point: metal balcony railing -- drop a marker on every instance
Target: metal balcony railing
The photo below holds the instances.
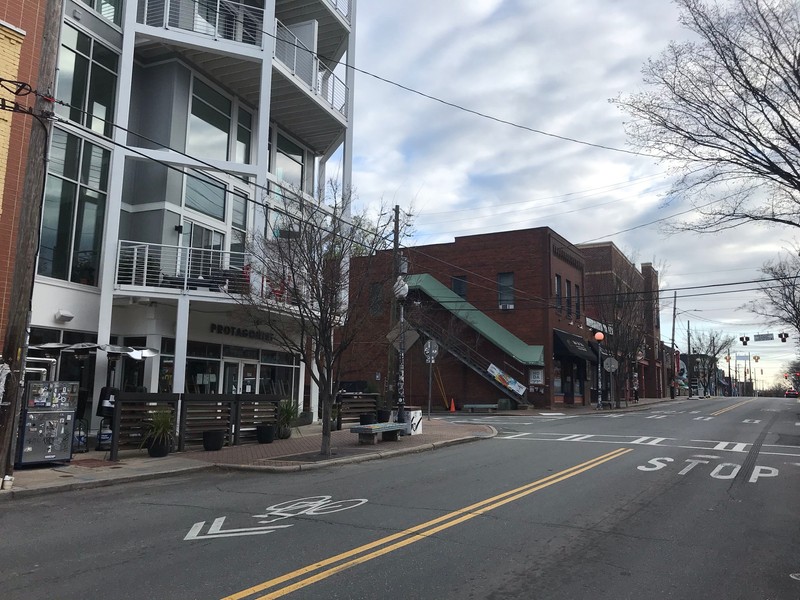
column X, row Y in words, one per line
column 181, row 269
column 343, row 7
column 219, row 19
column 305, row 65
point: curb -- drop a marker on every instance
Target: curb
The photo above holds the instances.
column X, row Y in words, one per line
column 13, row 494
column 334, row 462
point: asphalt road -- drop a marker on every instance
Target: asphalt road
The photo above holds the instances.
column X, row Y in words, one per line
column 692, row 499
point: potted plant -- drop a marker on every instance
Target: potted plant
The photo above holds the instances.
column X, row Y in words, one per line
column 287, row 413
column 160, row 433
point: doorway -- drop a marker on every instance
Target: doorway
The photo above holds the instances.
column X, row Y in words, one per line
column 239, row 377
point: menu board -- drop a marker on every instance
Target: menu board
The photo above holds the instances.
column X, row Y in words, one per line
column 52, row 395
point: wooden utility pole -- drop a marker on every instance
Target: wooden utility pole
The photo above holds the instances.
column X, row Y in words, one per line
column 391, row 375
column 674, row 371
column 28, row 225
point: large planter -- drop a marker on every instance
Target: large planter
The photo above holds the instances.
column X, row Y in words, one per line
column 158, row 448
column 284, row 432
column 265, row 434
column 213, row 439
column 384, row 415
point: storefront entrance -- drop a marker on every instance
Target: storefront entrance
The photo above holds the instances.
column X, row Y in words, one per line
column 239, row 377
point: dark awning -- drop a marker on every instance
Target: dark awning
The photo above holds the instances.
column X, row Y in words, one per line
column 566, row 344
column 593, row 350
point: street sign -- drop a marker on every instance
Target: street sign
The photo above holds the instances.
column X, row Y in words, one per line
column 763, row 337
column 431, row 349
column 610, row 364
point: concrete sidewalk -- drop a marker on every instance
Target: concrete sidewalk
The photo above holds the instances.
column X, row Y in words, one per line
column 299, row 452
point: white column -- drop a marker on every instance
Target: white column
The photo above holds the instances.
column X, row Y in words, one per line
column 313, row 392
column 181, row 339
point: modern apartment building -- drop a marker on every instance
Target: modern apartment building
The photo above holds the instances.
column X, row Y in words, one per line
column 184, row 126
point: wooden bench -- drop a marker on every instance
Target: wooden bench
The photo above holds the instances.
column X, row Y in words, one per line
column 368, row 434
column 474, row 407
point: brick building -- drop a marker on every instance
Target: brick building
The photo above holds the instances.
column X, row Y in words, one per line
column 506, row 310
column 21, row 30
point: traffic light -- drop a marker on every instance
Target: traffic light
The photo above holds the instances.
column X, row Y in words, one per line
column 786, row 376
column 744, row 339
column 783, row 337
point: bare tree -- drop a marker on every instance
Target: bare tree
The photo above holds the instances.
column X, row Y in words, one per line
column 780, row 291
column 707, row 347
column 619, row 300
column 300, row 290
column 725, row 112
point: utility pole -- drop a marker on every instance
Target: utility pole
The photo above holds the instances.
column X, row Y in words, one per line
column 672, row 343
column 689, row 356
column 391, row 375
column 15, row 346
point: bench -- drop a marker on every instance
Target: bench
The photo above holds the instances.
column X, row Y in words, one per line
column 368, row 434
column 474, row 407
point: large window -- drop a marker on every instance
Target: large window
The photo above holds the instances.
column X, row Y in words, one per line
column 87, row 81
column 569, row 297
column 205, row 195
column 289, row 163
column 205, row 249
column 74, row 209
column 109, row 9
column 209, row 123
column 238, row 229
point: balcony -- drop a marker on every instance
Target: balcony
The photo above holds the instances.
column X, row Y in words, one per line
column 149, row 268
column 217, row 19
column 305, row 65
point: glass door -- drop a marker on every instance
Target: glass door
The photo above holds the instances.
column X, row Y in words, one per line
column 239, row 377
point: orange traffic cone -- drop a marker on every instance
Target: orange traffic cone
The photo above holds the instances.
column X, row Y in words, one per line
column 452, row 405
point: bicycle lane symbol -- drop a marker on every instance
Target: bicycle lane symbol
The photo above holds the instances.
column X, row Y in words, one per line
column 310, row 506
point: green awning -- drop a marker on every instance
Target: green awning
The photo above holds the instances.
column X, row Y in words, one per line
column 488, row 328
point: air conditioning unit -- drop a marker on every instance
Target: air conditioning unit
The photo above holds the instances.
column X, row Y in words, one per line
column 506, row 307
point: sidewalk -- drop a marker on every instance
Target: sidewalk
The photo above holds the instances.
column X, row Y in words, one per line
column 299, row 453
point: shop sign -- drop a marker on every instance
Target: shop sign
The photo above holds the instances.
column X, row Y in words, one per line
column 242, row 332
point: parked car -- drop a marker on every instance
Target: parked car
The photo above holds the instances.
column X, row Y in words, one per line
column 791, row 393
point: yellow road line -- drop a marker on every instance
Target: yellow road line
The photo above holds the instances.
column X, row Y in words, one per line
column 724, row 410
column 414, row 534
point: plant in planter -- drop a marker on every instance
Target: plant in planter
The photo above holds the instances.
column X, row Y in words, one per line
column 160, row 433
column 287, row 414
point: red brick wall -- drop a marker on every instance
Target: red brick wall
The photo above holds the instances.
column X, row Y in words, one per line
column 28, row 16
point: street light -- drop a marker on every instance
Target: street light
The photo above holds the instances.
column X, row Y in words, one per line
column 400, row 289
column 756, row 358
column 599, row 337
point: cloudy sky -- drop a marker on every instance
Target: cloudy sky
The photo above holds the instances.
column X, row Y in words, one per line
column 552, row 66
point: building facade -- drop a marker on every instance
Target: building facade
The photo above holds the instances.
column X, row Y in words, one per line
column 183, row 128
column 506, row 311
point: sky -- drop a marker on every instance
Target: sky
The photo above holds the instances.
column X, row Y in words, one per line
column 550, row 66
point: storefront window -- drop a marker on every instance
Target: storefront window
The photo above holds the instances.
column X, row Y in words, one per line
column 557, row 388
column 201, row 376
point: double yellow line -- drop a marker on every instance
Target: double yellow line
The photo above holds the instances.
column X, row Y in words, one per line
column 313, row 573
column 731, row 407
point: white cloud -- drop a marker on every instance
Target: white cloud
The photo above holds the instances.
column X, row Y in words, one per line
column 547, row 65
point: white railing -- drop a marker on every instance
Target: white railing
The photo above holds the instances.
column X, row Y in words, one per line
column 304, row 64
column 219, row 19
column 179, row 269
column 343, row 7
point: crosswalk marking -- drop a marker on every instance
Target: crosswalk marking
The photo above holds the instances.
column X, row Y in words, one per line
column 648, row 441
column 731, row 446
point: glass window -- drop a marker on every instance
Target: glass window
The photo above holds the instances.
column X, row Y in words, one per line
column 577, row 301
column 289, row 163
column 109, row 9
column 569, row 297
column 558, row 291
column 459, row 285
column 376, row 299
column 87, row 81
column 205, row 195
column 209, row 123
column 73, row 215
column 244, row 136
column 505, row 288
